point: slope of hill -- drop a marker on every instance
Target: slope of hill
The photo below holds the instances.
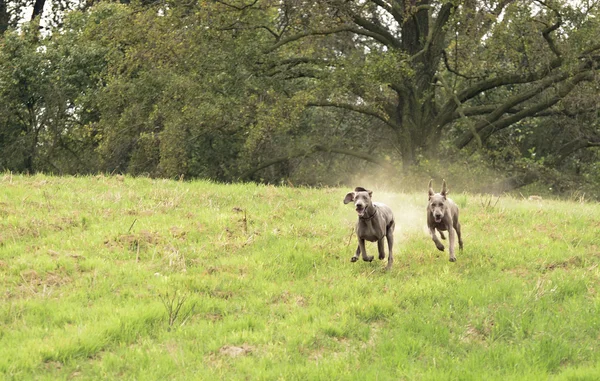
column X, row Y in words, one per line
column 134, row 278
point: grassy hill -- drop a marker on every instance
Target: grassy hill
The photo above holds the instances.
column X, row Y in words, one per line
column 123, row 278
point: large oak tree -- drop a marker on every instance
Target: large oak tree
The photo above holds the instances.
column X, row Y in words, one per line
column 428, row 70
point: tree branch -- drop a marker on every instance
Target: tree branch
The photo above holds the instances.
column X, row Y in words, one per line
column 589, row 50
column 483, row 110
column 355, row 108
column 377, row 30
column 489, row 128
column 391, row 9
column 279, row 67
column 448, row 112
column 449, row 108
column 486, row 109
column 436, row 32
column 235, row 6
column 239, row 25
column 511, row 102
column 574, row 146
column 551, row 28
column 461, row 113
column 346, row 28
column 455, row 72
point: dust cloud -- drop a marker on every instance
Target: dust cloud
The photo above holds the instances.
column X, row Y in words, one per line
column 409, row 208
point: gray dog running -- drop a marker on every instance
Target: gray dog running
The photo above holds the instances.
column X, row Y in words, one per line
column 375, row 222
column 442, row 214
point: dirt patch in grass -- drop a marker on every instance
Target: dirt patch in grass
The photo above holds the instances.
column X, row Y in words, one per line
column 218, row 360
column 570, row 263
column 342, row 347
column 475, row 335
column 66, row 222
column 134, row 241
column 222, row 294
column 236, row 351
column 178, row 233
column 520, row 272
column 55, row 254
column 33, row 283
column 213, row 317
column 290, row 299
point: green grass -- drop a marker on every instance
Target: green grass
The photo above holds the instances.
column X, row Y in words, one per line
column 92, row 269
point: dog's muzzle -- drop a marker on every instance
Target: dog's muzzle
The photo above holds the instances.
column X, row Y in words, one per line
column 360, row 210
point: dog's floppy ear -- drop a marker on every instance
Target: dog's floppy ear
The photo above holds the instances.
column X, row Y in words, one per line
column 361, row 189
column 444, row 191
column 431, row 192
column 349, row 197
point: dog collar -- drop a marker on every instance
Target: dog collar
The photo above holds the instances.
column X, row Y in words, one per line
column 371, row 216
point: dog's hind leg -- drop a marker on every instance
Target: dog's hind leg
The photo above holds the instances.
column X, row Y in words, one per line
column 457, row 228
column 451, row 243
column 442, row 234
column 390, row 239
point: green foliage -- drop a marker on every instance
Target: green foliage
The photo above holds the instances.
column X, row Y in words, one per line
column 303, row 92
column 45, row 108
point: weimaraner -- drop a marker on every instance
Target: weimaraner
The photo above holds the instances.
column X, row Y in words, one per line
column 375, row 222
column 442, row 214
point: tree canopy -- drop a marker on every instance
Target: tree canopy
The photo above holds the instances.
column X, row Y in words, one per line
column 303, row 90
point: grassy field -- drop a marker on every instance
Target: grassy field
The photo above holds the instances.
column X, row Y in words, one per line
column 123, row 278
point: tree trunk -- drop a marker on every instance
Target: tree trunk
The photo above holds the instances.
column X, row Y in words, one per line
column 31, row 139
column 38, row 8
column 423, row 40
column 4, row 16
column 415, row 112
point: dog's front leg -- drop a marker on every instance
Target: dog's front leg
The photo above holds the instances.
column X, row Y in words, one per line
column 451, row 242
column 435, row 239
column 380, row 248
column 356, row 254
column 363, row 250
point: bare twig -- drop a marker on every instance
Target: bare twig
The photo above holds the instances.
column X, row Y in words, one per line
column 133, row 223
column 350, row 238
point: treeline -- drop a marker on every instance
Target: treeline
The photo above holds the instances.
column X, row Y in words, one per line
column 306, row 91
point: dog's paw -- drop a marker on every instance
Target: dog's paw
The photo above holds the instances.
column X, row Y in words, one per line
column 381, row 256
column 440, row 247
column 368, row 259
column 442, row 235
column 353, row 259
column 452, row 259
